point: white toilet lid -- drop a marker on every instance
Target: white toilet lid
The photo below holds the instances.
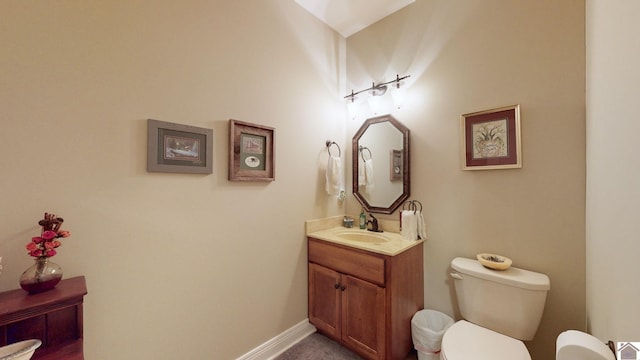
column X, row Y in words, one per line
column 464, row 341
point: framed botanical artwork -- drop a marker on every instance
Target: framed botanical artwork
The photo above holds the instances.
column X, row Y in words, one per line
column 177, row 148
column 251, row 152
column 491, row 139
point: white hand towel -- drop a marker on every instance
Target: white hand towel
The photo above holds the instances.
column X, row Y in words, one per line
column 334, row 183
column 362, row 176
column 368, row 174
column 409, row 225
column 422, row 229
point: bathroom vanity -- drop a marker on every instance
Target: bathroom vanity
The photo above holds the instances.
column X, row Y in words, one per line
column 53, row 316
column 364, row 288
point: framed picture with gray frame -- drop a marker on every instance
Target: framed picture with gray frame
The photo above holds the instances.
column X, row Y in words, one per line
column 177, row 148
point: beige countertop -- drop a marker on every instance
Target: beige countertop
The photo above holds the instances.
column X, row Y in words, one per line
column 390, row 243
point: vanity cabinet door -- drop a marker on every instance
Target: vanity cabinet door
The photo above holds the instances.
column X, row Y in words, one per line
column 363, row 317
column 324, row 300
column 348, row 309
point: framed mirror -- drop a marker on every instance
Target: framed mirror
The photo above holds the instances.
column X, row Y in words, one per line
column 380, row 157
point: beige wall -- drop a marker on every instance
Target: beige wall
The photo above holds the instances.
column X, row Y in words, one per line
column 178, row 266
column 466, row 56
column 613, row 199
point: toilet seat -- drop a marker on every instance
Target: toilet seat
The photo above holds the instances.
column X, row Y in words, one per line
column 464, row 341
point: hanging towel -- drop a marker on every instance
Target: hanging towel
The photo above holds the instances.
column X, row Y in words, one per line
column 368, row 175
column 334, row 176
column 362, row 177
column 422, row 229
column 409, row 229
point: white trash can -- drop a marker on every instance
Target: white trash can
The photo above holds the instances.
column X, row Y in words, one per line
column 427, row 330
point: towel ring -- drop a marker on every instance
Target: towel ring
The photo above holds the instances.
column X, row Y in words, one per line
column 413, row 205
column 362, row 148
column 409, row 205
column 419, row 203
column 329, row 143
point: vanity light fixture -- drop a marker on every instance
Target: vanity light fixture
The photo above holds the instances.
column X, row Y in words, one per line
column 377, row 89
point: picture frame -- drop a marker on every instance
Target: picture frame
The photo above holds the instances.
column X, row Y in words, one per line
column 251, row 152
column 178, row 148
column 491, row 139
column 396, row 171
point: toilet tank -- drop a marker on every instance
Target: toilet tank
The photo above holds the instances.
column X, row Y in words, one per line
column 510, row 301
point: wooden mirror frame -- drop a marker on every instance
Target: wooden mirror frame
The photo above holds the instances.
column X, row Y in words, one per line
column 406, row 171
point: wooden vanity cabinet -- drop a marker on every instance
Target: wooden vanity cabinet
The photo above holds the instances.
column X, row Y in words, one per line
column 365, row 300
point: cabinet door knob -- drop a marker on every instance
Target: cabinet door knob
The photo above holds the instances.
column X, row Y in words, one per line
column 343, row 288
column 337, row 286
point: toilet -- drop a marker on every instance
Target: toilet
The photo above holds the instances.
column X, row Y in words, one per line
column 500, row 310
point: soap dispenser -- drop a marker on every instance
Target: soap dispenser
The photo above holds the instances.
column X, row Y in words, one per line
column 363, row 220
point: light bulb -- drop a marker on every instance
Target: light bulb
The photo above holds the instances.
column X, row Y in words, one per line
column 399, row 95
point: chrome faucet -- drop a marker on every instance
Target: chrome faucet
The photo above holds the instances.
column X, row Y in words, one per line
column 374, row 224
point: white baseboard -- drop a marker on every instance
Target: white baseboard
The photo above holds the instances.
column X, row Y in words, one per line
column 280, row 343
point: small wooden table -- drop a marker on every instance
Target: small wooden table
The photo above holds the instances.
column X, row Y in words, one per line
column 53, row 316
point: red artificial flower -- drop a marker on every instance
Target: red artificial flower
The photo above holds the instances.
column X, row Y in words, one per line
column 37, row 239
column 50, row 253
column 64, row 233
column 31, row 246
column 36, row 253
column 48, row 234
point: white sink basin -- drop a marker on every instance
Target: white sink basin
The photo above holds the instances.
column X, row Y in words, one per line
column 22, row 350
column 365, row 237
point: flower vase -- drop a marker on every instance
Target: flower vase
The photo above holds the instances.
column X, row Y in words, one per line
column 43, row 275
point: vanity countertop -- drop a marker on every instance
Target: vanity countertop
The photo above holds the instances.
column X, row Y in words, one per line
column 393, row 243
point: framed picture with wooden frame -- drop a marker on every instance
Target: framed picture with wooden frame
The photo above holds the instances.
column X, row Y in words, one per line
column 251, row 152
column 177, row 148
column 491, row 139
column 395, row 165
